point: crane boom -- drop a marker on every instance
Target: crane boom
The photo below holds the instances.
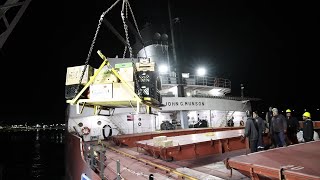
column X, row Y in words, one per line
column 9, row 26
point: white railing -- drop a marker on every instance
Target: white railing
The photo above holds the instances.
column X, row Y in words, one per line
column 167, row 79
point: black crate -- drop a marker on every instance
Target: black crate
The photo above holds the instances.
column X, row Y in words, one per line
column 72, row 90
column 147, row 77
column 149, row 91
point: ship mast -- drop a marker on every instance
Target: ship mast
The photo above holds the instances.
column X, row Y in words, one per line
column 176, row 62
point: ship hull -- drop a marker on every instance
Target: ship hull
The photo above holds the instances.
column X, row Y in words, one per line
column 75, row 162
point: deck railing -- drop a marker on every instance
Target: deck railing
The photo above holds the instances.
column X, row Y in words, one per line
column 218, row 97
column 97, row 161
column 196, row 80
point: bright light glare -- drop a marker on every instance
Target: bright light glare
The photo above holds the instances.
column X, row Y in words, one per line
column 201, row 72
column 185, row 75
column 163, row 68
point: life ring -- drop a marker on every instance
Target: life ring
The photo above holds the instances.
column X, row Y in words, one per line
column 85, row 130
column 107, row 131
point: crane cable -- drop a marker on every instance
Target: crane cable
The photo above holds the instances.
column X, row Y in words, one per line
column 126, row 5
column 124, row 15
column 93, row 43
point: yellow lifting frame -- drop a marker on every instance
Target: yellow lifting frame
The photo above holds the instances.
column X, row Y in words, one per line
column 92, row 78
column 119, row 77
column 75, row 99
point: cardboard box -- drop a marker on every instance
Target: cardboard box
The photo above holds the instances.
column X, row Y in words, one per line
column 73, row 75
column 100, row 91
column 120, row 91
column 123, row 65
column 151, row 66
column 144, row 60
column 166, row 143
column 126, row 73
column 105, row 76
column 157, row 140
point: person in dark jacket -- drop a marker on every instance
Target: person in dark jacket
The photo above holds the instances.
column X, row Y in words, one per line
column 269, row 116
column 251, row 132
column 261, row 129
column 307, row 127
column 279, row 128
column 230, row 122
column 293, row 127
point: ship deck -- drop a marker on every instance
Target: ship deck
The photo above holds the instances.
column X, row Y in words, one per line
column 300, row 161
column 207, row 167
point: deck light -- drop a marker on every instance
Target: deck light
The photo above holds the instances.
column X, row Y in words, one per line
column 201, row 71
column 163, row 68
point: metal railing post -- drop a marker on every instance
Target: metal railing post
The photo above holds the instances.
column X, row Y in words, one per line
column 102, row 166
column 85, row 152
column 91, row 157
column 118, row 170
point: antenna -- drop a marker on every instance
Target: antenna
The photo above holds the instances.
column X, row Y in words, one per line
column 242, row 88
column 176, row 63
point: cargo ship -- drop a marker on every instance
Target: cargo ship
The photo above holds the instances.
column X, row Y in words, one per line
column 140, row 117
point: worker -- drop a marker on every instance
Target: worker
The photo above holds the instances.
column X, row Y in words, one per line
column 230, row 122
column 269, row 127
column 279, row 128
column 307, row 127
column 251, row 132
column 293, row 127
column 261, row 129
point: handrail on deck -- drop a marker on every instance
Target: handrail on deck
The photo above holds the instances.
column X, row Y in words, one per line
column 196, row 80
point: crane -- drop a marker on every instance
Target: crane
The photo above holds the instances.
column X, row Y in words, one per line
column 9, row 25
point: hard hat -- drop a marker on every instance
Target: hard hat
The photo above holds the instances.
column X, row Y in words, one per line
column 307, row 114
column 288, row 111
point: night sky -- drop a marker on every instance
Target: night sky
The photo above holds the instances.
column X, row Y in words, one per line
column 271, row 48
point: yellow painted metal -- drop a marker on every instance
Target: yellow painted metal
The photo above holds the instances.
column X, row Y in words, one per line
column 75, row 99
column 121, row 79
column 82, row 107
column 108, row 103
column 96, row 109
column 150, row 102
column 162, row 167
column 148, row 109
column 113, row 103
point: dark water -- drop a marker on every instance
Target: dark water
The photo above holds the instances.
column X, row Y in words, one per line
column 32, row 155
